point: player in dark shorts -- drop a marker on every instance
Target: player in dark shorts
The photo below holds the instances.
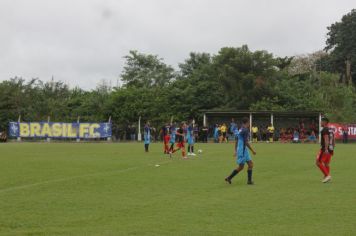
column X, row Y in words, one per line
column 165, row 138
column 180, row 136
column 327, row 149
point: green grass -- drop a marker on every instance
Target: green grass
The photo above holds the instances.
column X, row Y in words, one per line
column 115, row 189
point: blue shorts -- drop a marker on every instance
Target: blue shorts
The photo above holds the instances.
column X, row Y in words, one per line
column 190, row 141
column 242, row 159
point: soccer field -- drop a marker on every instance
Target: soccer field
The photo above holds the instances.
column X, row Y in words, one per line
column 116, row 189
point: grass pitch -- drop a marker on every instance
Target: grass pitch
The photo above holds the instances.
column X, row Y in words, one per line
column 116, row 189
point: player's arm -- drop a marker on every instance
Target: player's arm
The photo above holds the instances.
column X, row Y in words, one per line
column 179, row 134
column 250, row 147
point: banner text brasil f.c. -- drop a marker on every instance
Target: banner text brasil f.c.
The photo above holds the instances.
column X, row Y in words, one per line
column 59, row 130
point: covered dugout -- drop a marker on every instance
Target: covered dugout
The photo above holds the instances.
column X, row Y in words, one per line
column 279, row 119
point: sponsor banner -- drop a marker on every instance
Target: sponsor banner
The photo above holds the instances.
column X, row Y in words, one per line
column 339, row 130
column 59, row 130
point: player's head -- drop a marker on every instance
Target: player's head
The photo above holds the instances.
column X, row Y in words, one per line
column 245, row 122
column 324, row 121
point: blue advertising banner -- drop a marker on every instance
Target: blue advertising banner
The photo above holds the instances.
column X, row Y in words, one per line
column 59, row 130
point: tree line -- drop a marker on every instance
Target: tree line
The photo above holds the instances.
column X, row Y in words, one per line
column 235, row 78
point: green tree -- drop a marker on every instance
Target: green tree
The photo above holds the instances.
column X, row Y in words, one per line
column 243, row 75
column 143, row 70
column 341, row 42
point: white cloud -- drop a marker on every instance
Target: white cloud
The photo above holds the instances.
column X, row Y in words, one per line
column 82, row 42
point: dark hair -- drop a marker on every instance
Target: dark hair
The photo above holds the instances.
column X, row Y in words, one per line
column 244, row 120
column 325, row 119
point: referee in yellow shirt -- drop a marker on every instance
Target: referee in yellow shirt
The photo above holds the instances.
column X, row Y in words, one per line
column 270, row 130
column 254, row 133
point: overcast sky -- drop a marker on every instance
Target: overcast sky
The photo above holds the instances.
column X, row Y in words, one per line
column 82, row 42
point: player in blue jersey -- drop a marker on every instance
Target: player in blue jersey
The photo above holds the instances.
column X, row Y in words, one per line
column 172, row 140
column 190, row 139
column 147, row 135
column 242, row 152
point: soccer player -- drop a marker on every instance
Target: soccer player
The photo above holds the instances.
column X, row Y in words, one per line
column 327, row 149
column 242, row 154
column 180, row 140
column 147, row 135
column 172, row 139
column 165, row 137
column 190, row 139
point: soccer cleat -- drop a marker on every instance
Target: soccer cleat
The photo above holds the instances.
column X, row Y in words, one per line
column 193, row 154
column 170, row 154
column 228, row 180
column 185, row 158
column 250, row 183
column 189, row 154
column 326, row 179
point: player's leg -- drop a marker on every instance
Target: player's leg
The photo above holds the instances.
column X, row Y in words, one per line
column 326, row 161
column 320, row 163
column 239, row 168
column 191, row 145
column 192, row 149
column 164, row 145
column 249, row 172
column 181, row 146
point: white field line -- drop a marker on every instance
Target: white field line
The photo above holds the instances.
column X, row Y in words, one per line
column 76, row 177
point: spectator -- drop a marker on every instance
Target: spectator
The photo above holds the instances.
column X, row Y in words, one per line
column 205, row 131
column 296, row 136
column 196, row 132
column 133, row 133
column 345, row 135
column 216, row 133
column 3, row 137
column 264, row 133
column 312, row 137
column 232, row 128
column 128, row 132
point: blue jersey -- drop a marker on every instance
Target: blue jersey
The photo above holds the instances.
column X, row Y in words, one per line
column 189, row 132
column 190, row 135
column 147, row 134
column 243, row 136
column 216, row 132
column 235, row 132
column 173, row 134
